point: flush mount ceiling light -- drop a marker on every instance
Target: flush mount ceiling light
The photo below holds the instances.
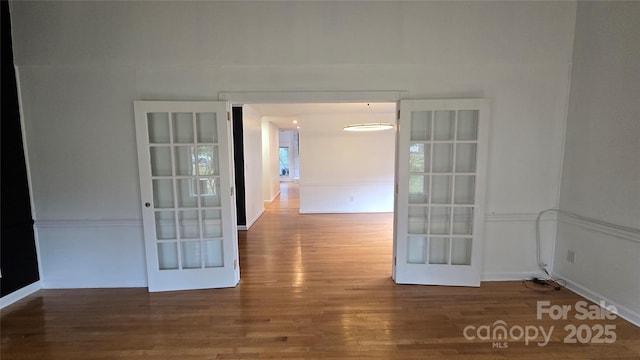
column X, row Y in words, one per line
column 369, row 127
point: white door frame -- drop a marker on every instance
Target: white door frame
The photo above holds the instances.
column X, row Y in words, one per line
column 304, row 97
column 292, row 97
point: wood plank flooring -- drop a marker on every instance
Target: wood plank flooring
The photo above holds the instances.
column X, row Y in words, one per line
column 313, row 287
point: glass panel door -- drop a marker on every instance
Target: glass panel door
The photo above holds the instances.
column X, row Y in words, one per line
column 189, row 226
column 442, row 156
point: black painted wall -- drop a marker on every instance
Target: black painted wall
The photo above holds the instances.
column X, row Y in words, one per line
column 18, row 259
column 238, row 157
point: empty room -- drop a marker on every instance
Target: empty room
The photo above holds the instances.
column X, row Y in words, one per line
column 320, row 179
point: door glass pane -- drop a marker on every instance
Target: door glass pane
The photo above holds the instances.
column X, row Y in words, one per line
column 210, row 192
column 211, row 223
column 461, row 251
column 167, row 256
column 158, row 126
column 462, row 220
column 418, row 219
column 185, row 160
column 213, row 255
column 207, row 127
column 187, row 193
column 165, row 225
column 467, row 125
column 421, row 125
column 465, row 190
column 416, row 246
column 419, row 158
column 208, row 160
column 160, row 160
column 183, row 128
column 191, row 255
column 443, row 125
column 440, row 220
column 442, row 158
column 188, row 224
column 418, row 189
column 162, row 193
column 441, row 189
column 438, row 250
column 466, row 158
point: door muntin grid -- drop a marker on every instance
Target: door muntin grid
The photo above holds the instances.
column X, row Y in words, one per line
column 185, row 176
column 442, row 174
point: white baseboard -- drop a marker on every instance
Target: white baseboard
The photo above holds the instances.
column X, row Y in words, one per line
column 255, row 218
column 273, row 198
column 20, row 294
column 623, row 311
column 251, row 222
column 509, row 276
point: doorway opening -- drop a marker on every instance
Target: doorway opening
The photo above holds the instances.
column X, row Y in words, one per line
column 319, row 167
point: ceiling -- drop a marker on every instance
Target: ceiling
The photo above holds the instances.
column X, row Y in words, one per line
column 282, row 115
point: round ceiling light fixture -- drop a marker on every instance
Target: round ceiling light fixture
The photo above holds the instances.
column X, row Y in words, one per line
column 369, row 127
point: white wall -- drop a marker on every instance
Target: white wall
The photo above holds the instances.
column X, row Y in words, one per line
column 601, row 177
column 252, row 138
column 82, row 64
column 270, row 164
column 343, row 172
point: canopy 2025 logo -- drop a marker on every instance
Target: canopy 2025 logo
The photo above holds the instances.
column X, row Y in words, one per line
column 499, row 333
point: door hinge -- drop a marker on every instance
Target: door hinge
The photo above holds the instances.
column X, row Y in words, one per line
column 395, row 261
column 397, row 188
column 228, row 116
column 235, row 264
column 232, row 191
column 398, row 114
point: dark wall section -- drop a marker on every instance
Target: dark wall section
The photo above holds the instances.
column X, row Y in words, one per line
column 18, row 259
column 238, row 156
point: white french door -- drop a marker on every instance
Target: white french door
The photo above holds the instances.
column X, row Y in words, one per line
column 188, row 205
column 442, row 155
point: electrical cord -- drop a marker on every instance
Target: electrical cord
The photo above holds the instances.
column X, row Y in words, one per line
column 560, row 283
column 542, row 265
column 545, row 286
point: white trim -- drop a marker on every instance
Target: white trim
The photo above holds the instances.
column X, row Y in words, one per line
column 36, row 236
column 509, row 276
column 265, row 97
column 504, row 217
column 508, row 217
column 20, row 294
column 620, row 232
column 114, row 223
column 623, row 311
column 104, row 283
column 255, row 218
column 273, row 198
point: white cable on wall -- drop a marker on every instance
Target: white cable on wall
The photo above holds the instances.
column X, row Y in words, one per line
column 543, row 266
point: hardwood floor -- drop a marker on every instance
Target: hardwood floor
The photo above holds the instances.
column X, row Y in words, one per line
column 313, row 287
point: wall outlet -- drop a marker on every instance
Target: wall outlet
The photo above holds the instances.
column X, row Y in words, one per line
column 571, row 256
